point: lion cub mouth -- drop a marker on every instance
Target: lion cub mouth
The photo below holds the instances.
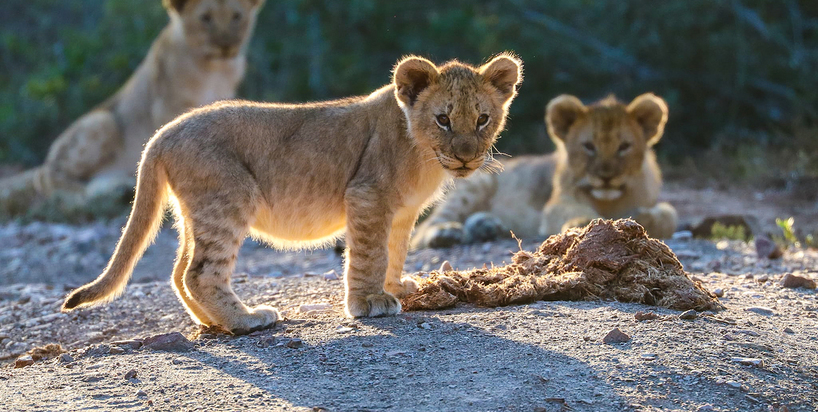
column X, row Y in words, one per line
column 606, row 194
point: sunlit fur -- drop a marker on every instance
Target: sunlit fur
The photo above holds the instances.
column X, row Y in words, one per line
column 99, row 152
column 606, row 166
column 297, row 175
column 577, row 184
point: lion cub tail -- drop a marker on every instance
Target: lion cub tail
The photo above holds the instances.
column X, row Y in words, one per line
column 143, row 224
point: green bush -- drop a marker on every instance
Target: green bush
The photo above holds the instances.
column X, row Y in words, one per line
column 739, row 75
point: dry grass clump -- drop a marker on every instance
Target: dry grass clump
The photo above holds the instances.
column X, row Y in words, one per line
column 604, row 260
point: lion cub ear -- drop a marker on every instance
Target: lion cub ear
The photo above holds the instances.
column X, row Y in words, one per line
column 505, row 72
column 650, row 111
column 561, row 113
column 412, row 76
column 176, row 5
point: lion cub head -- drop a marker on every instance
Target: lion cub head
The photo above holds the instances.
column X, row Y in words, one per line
column 457, row 110
column 214, row 29
column 606, row 142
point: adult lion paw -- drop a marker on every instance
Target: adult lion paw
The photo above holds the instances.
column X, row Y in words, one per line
column 407, row 286
column 382, row 304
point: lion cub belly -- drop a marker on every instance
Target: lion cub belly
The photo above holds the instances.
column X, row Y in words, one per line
column 292, row 224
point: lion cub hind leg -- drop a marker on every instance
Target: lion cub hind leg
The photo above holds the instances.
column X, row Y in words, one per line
column 367, row 255
column 179, row 268
column 219, row 226
column 80, row 152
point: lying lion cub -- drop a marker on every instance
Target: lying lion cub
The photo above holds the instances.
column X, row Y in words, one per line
column 198, row 58
column 604, row 166
column 299, row 175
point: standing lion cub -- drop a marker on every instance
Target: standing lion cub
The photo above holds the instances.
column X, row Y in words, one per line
column 198, row 58
column 299, row 175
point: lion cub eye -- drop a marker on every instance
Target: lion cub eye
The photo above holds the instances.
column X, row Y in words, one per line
column 624, row 147
column 589, row 147
column 207, row 18
column 482, row 120
column 443, row 121
column 236, row 16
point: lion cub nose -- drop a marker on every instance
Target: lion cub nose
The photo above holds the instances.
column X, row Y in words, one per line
column 465, row 149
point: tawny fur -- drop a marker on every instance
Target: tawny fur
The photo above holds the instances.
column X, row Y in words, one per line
column 605, row 147
column 299, row 175
column 199, row 58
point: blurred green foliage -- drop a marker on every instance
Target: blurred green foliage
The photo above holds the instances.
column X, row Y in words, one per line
column 720, row 231
column 739, row 75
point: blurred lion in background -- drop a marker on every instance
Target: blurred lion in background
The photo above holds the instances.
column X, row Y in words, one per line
column 198, row 58
column 604, row 167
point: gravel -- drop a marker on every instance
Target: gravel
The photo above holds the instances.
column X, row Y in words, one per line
column 540, row 356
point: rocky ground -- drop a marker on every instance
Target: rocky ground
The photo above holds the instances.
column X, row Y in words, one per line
column 760, row 354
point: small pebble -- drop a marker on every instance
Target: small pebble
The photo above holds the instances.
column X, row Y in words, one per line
column 66, row 358
column 760, row 310
column 131, row 374
column 295, row 343
column 788, row 330
column 331, row 275
column 344, row 329
column 425, row 325
column 141, row 394
column 705, row 408
column 794, row 281
column 733, row 384
column 682, row 235
column 23, row 361
column 616, row 336
column 116, row 350
column 766, row 248
column 171, row 342
column 446, row 266
column 689, row 315
column 642, row 316
column 719, row 292
column 749, row 361
column 318, row 307
column 131, row 343
column 648, row 356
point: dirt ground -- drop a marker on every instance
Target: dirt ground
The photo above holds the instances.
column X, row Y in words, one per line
column 760, row 354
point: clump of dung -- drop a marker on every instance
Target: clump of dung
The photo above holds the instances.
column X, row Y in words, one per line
column 52, row 350
column 604, row 260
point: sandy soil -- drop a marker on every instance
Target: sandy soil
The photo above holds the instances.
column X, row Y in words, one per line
column 760, row 354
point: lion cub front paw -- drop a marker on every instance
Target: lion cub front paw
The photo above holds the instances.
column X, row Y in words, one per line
column 577, row 222
column 382, row 304
column 445, row 235
column 260, row 317
column 407, row 286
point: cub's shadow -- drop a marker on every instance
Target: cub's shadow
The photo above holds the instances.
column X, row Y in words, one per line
column 428, row 366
